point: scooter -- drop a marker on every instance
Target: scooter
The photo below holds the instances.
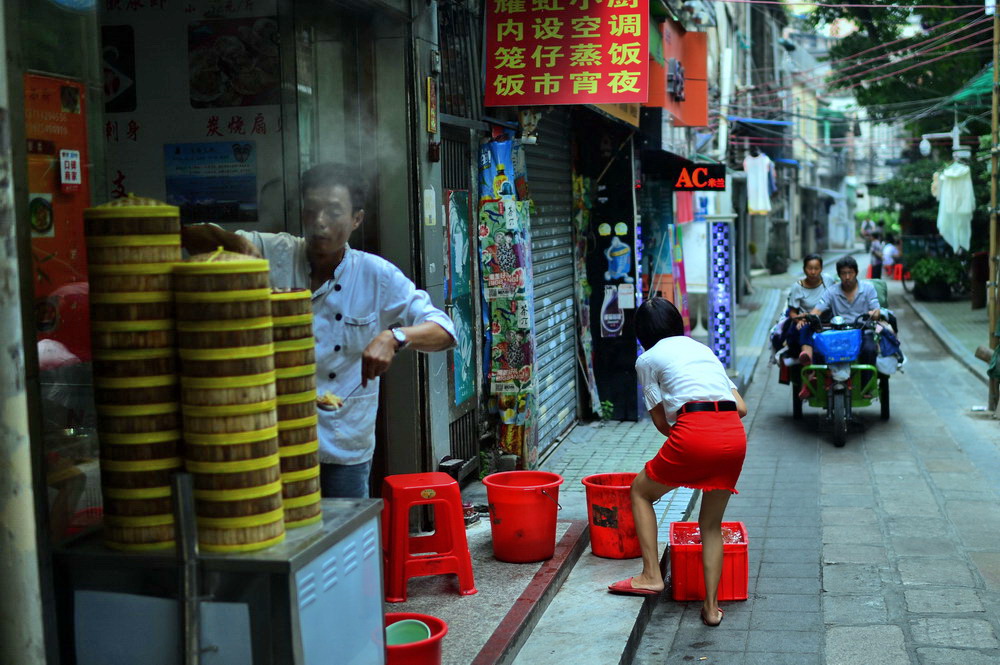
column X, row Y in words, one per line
column 842, row 384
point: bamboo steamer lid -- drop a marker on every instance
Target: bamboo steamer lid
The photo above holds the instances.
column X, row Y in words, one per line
column 132, row 230
column 133, row 214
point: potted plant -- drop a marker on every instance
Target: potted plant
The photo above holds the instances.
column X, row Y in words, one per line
column 933, row 277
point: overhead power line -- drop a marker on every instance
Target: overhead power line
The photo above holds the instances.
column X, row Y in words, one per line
column 773, row 94
column 867, row 5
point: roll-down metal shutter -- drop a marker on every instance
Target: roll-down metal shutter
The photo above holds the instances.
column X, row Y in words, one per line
column 550, row 181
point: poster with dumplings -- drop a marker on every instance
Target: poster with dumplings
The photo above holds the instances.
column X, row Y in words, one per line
column 160, row 118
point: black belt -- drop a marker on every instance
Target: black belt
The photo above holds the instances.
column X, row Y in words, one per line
column 707, row 406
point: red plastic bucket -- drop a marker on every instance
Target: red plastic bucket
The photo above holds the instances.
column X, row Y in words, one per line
column 424, row 652
column 523, row 509
column 609, row 510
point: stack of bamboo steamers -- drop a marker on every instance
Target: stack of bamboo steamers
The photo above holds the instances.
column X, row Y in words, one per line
column 184, row 375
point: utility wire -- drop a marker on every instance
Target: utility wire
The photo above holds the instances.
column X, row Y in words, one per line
column 845, row 5
column 772, row 93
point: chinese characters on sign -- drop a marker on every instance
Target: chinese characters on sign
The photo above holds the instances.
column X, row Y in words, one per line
column 567, row 52
column 69, row 169
column 700, row 177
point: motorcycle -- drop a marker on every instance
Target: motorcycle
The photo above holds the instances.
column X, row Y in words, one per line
column 842, row 384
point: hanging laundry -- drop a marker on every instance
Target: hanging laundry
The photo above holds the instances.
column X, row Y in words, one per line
column 759, row 168
column 955, row 205
column 685, row 207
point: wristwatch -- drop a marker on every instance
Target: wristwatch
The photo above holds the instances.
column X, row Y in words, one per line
column 400, row 337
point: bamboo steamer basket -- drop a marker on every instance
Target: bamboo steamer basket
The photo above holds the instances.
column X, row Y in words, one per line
column 222, row 286
column 225, row 333
column 238, row 502
column 138, row 418
column 134, row 377
column 131, row 277
column 294, row 360
column 135, row 482
column 132, row 306
column 301, row 494
column 294, row 380
column 132, row 230
column 147, row 334
column 291, row 313
column 228, row 400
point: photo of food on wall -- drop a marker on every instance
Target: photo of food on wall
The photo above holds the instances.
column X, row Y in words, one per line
column 234, row 62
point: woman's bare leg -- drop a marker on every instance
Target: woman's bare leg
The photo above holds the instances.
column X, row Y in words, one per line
column 643, row 493
column 713, row 506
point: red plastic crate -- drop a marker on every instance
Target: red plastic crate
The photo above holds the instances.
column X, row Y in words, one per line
column 687, row 575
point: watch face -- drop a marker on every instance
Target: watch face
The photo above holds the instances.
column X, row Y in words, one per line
column 399, row 335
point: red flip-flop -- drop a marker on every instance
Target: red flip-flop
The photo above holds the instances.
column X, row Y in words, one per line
column 625, row 588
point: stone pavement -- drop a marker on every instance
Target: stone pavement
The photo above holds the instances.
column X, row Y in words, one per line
column 884, row 551
column 960, row 328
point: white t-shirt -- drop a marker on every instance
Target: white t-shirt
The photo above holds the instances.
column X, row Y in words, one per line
column 889, row 253
column 678, row 370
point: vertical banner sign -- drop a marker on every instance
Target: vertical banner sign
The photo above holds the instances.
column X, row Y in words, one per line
column 680, row 282
column 505, row 251
column 58, row 192
column 721, row 334
column 567, row 52
column 458, row 291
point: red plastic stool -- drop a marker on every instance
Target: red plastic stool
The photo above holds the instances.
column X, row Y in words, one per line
column 897, row 271
column 442, row 552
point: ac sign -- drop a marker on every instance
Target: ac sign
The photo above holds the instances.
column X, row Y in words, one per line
column 701, row 177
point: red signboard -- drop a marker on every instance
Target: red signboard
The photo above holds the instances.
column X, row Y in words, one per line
column 681, row 84
column 700, row 177
column 567, row 52
column 58, row 192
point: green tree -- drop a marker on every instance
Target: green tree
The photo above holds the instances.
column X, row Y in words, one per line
column 930, row 81
column 910, row 189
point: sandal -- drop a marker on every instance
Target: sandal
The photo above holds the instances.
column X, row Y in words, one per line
column 722, row 615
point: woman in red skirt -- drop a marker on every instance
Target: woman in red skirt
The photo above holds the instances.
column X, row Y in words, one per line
column 694, row 404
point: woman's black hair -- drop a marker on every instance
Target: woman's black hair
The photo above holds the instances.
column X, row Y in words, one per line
column 657, row 319
column 812, row 257
column 847, row 262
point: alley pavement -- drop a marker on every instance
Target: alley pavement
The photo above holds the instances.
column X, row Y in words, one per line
column 885, row 551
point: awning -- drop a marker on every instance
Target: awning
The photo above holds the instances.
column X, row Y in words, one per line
column 759, row 121
column 823, row 191
column 979, row 86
